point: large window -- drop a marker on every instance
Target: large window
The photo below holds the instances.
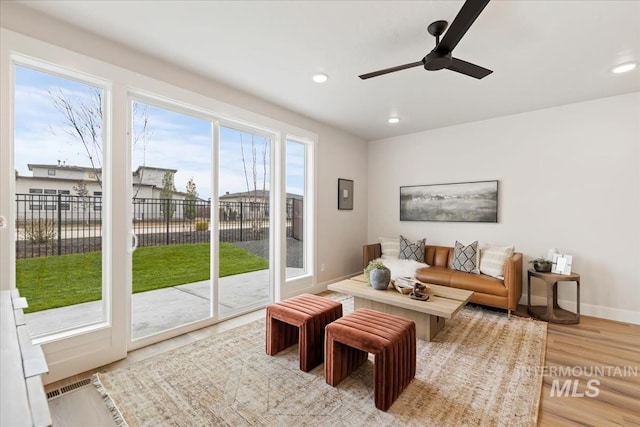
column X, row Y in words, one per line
column 296, row 175
column 75, row 199
column 59, row 258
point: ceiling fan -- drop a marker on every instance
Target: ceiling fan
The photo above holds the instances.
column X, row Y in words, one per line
column 440, row 57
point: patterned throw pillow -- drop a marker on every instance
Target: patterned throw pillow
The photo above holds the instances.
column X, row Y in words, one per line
column 492, row 259
column 465, row 258
column 390, row 247
column 409, row 250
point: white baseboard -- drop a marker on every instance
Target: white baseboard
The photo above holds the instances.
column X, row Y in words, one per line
column 617, row 314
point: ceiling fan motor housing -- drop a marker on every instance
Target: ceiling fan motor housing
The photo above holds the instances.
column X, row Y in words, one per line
column 436, row 60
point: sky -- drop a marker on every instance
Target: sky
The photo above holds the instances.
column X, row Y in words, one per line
column 173, row 140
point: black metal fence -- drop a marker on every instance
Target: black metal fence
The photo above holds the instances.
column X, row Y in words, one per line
column 60, row 224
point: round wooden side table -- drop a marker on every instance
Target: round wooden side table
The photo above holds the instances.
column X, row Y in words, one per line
column 552, row 312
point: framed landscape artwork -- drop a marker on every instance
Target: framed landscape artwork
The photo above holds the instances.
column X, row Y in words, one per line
column 457, row 202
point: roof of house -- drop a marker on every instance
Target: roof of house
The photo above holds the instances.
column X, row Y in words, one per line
column 255, row 193
column 137, row 171
column 31, row 166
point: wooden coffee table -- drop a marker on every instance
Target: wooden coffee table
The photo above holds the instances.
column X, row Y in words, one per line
column 429, row 316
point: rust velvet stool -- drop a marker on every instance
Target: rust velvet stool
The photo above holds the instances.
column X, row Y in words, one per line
column 301, row 320
column 391, row 339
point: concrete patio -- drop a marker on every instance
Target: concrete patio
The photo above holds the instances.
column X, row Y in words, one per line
column 163, row 309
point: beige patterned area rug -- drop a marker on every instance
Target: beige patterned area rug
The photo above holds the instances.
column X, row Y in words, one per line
column 479, row 371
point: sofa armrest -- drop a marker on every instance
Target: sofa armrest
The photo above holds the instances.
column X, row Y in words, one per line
column 370, row 252
column 513, row 279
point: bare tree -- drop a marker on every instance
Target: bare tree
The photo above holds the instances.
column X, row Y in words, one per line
column 256, row 196
column 140, row 135
column 83, row 123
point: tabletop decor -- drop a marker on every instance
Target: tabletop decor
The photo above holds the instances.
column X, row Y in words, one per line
column 541, row 264
column 378, row 275
column 562, row 264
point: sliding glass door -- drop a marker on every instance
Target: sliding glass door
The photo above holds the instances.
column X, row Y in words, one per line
column 245, row 206
column 171, row 206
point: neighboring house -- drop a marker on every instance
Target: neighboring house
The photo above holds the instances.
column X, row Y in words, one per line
column 250, row 203
column 245, row 196
column 40, row 192
column 51, row 188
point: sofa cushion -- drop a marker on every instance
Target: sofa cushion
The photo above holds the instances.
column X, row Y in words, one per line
column 390, row 247
column 492, row 259
column 465, row 258
column 478, row 283
column 439, row 256
column 435, row 275
column 411, row 250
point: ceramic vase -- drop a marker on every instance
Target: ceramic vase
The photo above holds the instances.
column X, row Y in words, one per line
column 380, row 278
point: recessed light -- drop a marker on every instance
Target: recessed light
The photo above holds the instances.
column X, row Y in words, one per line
column 393, row 120
column 623, row 68
column 320, row 77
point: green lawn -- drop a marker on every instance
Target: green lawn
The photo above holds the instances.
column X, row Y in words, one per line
column 58, row 281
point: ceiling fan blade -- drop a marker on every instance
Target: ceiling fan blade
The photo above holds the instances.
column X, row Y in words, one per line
column 469, row 69
column 470, row 11
column 390, row 70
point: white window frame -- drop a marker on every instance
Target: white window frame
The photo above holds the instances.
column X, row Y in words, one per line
column 305, row 280
column 19, row 60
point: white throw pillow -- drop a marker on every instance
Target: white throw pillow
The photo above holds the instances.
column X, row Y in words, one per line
column 390, row 247
column 492, row 259
column 402, row 267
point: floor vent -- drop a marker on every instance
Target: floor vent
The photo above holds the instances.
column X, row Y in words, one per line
column 53, row 393
column 68, row 388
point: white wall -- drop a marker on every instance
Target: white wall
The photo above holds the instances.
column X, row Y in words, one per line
column 568, row 178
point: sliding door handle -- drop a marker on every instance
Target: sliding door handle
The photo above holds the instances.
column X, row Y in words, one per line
column 135, row 243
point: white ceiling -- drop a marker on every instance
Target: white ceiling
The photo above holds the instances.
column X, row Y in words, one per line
column 543, row 53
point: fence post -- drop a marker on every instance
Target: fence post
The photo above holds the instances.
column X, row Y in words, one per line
column 241, row 210
column 166, row 214
column 59, row 224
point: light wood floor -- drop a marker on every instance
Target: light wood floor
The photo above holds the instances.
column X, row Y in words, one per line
column 590, row 344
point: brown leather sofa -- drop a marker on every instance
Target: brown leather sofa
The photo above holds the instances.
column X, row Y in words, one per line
column 487, row 290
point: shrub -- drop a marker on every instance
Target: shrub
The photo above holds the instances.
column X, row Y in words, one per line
column 39, row 230
column 202, row 225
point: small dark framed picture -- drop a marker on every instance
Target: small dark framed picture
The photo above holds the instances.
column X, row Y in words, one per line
column 345, row 194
